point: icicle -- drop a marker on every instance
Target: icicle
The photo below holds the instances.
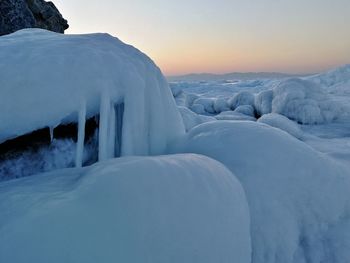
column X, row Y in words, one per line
column 111, row 132
column 51, row 133
column 119, row 112
column 81, row 135
column 103, row 127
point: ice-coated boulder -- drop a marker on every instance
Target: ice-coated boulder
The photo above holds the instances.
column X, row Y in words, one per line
column 47, row 79
column 181, row 208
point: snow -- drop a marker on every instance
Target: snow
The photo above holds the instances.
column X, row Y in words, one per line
column 263, row 102
column 242, row 98
column 245, row 109
column 304, row 102
column 334, row 77
column 181, row 208
column 283, row 123
column 221, row 104
column 298, row 198
column 45, row 77
column 277, row 191
column 234, row 115
column 191, row 119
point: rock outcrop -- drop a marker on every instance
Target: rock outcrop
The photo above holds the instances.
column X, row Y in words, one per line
column 19, row 14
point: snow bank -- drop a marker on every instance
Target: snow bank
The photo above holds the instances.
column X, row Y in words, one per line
column 47, row 79
column 283, row 123
column 299, row 200
column 182, row 208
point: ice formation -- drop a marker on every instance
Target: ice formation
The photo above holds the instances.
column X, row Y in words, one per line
column 299, row 199
column 47, row 79
column 281, row 122
column 182, row 208
column 303, row 100
column 192, row 119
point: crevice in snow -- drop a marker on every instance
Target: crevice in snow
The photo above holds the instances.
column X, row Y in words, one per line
column 50, row 148
column 67, row 145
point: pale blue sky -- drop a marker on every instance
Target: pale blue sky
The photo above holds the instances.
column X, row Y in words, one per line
column 222, row 36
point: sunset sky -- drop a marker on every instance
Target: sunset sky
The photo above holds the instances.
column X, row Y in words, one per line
column 184, row 36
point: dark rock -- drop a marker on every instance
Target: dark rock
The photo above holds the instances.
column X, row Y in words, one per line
column 19, row 14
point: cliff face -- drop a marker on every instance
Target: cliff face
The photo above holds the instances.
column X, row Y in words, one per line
column 19, row 14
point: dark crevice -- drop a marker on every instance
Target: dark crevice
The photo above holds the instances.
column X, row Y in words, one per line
column 40, row 138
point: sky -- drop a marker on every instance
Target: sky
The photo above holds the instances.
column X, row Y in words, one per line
column 220, row 36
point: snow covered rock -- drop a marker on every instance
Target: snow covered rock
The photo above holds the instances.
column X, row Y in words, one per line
column 182, row 208
column 299, row 199
column 283, row 123
column 47, row 79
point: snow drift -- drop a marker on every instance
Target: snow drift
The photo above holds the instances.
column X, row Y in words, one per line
column 47, row 79
column 299, row 199
column 182, row 208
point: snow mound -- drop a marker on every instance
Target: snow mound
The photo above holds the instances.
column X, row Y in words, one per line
column 47, row 79
column 263, row 102
column 304, row 102
column 242, row 98
column 192, row 119
column 299, row 199
column 207, row 103
column 283, row 123
column 221, row 104
column 184, row 208
column 246, row 109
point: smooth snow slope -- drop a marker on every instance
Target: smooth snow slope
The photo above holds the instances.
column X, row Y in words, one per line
column 298, row 198
column 181, row 208
column 48, row 78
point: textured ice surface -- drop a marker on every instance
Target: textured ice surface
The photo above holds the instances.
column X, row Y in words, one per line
column 47, row 79
column 182, row 208
column 299, row 199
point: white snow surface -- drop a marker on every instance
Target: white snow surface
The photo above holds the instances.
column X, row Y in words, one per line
column 298, row 198
column 283, row 123
column 181, row 208
column 305, row 100
column 47, row 79
column 192, row 119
